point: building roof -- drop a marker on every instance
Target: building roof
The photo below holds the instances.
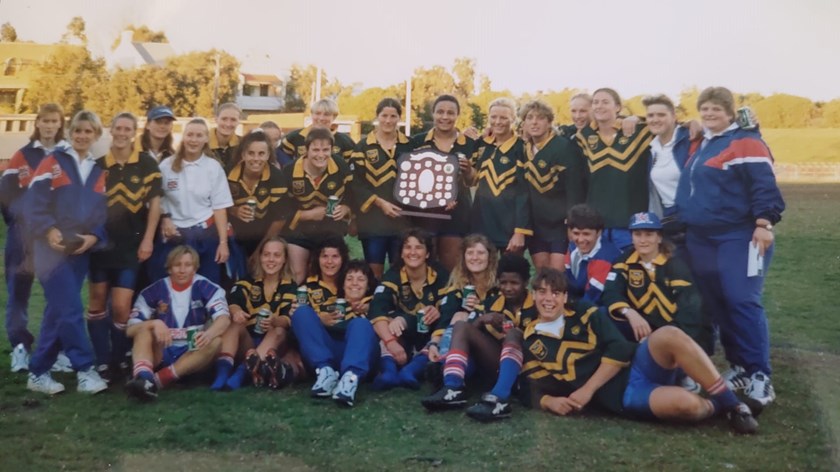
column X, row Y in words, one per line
column 262, row 78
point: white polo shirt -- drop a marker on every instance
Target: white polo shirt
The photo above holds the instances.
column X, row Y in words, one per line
column 192, row 194
column 665, row 173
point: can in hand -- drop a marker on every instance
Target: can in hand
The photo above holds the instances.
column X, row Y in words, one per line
column 252, row 204
column 332, row 203
column 507, row 325
column 422, row 327
column 341, row 308
column 263, row 314
column 744, row 118
column 302, row 298
column 192, row 331
column 468, row 290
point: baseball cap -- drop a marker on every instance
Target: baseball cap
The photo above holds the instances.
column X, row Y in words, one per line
column 160, row 112
column 644, row 220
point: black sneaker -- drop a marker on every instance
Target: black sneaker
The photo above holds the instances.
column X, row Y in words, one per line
column 254, row 364
column 143, row 390
column 490, row 408
column 741, row 420
column 276, row 373
column 445, row 399
column 433, row 372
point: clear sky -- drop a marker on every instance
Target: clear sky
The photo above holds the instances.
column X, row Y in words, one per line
column 635, row 46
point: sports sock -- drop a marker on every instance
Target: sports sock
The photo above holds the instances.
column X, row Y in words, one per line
column 454, row 368
column 120, row 344
column 166, row 376
column 721, row 397
column 235, row 380
column 387, row 377
column 509, row 366
column 410, row 373
column 99, row 329
column 224, row 364
column 143, row 370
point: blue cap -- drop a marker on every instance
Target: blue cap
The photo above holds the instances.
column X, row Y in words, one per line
column 160, row 112
column 644, row 220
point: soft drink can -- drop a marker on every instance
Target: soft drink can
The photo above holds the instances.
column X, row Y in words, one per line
column 252, row 204
column 263, row 314
column 507, row 325
column 332, row 203
column 341, row 307
column 744, row 118
column 422, row 327
column 468, row 290
column 192, row 331
column 302, row 297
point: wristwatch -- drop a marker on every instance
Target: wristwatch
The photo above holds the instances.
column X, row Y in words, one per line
column 768, row 226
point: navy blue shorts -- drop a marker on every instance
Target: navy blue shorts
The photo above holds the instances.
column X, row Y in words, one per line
column 122, row 278
column 645, row 376
column 377, row 247
column 536, row 246
column 171, row 354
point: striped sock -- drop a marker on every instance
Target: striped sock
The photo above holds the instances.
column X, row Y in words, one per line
column 166, row 376
column 143, row 370
column 510, row 363
column 721, row 397
column 454, row 368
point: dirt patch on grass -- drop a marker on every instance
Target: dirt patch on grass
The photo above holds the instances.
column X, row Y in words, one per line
column 169, row 461
column 821, row 371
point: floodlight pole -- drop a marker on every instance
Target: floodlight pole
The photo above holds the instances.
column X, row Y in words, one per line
column 408, row 106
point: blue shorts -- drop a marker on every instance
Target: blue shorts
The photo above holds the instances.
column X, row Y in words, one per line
column 536, row 246
column 172, row 354
column 645, row 376
column 377, row 247
column 115, row 277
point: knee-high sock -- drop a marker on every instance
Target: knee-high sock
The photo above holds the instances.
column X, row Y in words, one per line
column 224, row 364
column 509, row 366
column 454, row 368
column 99, row 330
column 721, row 397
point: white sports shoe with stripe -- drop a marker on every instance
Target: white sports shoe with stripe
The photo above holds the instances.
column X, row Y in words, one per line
column 736, row 378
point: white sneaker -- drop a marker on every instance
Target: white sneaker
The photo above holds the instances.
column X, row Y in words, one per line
column 345, row 391
column 20, row 359
column 62, row 363
column 325, row 383
column 689, row 384
column 90, row 382
column 760, row 392
column 44, row 383
column 736, row 378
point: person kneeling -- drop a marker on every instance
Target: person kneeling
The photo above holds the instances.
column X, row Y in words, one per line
column 166, row 326
column 573, row 357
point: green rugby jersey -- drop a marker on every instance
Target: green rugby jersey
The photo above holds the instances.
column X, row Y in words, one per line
column 374, row 175
column 224, row 154
column 267, row 194
column 501, row 207
column 556, row 177
column 521, row 317
column 249, row 294
column 618, row 172
column 294, row 145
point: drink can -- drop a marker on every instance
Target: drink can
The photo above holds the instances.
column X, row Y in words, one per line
column 263, row 314
column 744, row 118
column 507, row 325
column 341, row 307
column 422, row 327
column 468, row 290
column 192, row 331
column 252, row 204
column 302, row 297
column 332, row 202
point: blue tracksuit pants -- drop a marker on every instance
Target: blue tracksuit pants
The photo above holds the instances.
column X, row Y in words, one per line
column 19, row 277
column 357, row 351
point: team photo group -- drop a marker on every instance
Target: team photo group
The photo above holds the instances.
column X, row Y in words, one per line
column 587, row 266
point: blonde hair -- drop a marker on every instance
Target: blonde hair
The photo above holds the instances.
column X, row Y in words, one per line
column 178, row 160
column 90, row 117
column 44, row 110
column 179, row 251
column 504, row 102
column 325, row 104
column 285, row 272
column 582, row 96
column 229, row 106
column 461, row 276
column 539, row 107
column 719, row 96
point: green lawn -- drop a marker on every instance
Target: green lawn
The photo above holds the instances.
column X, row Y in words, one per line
column 190, row 427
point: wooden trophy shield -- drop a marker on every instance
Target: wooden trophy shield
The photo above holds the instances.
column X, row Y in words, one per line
column 427, row 181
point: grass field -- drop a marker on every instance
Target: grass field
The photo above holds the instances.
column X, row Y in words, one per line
column 191, row 428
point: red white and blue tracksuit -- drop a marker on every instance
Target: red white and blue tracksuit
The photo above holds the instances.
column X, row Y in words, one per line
column 728, row 183
column 18, row 251
column 593, row 268
column 59, row 197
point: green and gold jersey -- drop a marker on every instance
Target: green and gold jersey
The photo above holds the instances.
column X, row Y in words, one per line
column 394, row 297
column 554, row 171
column 501, row 207
column 322, row 297
column 267, row 194
column 374, row 175
column 129, row 188
column 294, row 144
column 224, row 154
column 662, row 292
column 521, row 317
column 618, row 172
column 560, row 363
column 249, row 294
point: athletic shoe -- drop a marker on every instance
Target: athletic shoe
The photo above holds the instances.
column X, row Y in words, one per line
column 760, row 393
column 140, row 389
column 325, row 383
column 254, row 364
column 89, row 381
column 20, row 359
column 62, row 364
column 345, row 392
column 277, row 374
column 105, row 373
column 741, row 420
column 736, row 378
column 490, row 408
column 434, row 374
column 689, row 384
column 44, row 383
column 445, row 399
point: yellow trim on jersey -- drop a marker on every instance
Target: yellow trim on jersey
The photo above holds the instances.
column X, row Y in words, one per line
column 111, row 161
column 214, row 140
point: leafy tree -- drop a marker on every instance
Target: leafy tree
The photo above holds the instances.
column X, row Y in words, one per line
column 70, row 77
column 364, row 103
column 142, row 34
column 75, row 31
column 784, row 111
column 8, row 33
column 300, row 89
